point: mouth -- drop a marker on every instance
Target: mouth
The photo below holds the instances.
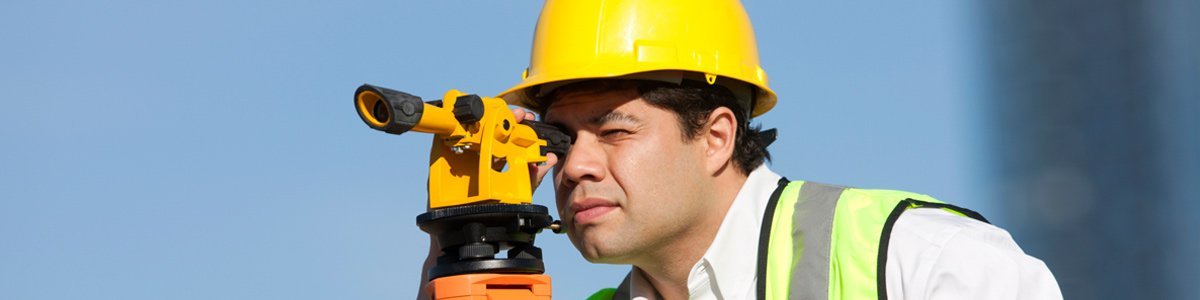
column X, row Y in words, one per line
column 590, row 210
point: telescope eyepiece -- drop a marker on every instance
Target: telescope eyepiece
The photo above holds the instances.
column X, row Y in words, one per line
column 388, row 110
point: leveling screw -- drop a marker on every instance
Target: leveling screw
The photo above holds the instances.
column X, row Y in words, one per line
column 557, row 226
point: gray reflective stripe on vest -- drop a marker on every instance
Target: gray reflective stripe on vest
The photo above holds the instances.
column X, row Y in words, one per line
column 811, row 234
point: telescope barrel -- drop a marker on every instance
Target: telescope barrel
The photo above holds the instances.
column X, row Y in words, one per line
column 398, row 112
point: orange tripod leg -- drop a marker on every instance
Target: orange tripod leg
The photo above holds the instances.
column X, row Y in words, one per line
column 491, row 287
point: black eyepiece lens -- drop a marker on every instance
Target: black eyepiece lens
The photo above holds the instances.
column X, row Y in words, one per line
column 380, row 112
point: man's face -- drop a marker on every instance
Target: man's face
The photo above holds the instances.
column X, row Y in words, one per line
column 630, row 182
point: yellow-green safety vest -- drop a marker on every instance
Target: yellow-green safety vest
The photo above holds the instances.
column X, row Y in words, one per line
column 822, row 241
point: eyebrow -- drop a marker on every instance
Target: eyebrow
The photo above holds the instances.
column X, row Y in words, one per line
column 602, row 119
column 612, row 116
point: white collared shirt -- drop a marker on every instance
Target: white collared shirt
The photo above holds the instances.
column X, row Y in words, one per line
column 933, row 254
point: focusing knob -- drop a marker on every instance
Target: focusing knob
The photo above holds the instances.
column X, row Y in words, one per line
column 476, row 251
column 468, row 109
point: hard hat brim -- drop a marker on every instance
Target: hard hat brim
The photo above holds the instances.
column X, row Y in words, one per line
column 517, row 95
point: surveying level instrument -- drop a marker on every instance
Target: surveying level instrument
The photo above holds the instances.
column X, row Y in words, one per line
column 480, row 191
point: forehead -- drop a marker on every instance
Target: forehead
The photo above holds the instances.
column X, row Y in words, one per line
column 574, row 105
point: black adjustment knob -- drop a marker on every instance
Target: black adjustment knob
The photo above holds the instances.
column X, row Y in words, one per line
column 476, row 251
column 468, row 109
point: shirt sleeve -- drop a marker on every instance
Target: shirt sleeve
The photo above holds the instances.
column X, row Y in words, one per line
column 934, row 254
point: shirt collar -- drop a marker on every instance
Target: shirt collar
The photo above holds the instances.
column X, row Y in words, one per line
column 728, row 268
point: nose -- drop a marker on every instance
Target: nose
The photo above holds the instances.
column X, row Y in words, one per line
column 584, row 162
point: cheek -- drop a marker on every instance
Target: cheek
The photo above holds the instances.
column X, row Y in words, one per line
column 651, row 170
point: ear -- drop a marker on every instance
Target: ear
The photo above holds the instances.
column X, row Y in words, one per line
column 719, row 134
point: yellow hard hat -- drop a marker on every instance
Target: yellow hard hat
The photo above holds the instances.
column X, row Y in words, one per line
column 709, row 39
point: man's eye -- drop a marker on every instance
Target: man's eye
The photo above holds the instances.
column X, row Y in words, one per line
column 614, row 133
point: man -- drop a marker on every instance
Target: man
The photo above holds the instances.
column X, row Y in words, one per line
column 666, row 174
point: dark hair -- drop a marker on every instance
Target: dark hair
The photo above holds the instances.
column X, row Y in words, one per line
column 692, row 102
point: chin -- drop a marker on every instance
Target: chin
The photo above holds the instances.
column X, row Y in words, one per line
column 595, row 250
column 600, row 258
column 586, row 249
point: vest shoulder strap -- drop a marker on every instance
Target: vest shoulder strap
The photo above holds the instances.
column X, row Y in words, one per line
column 764, row 238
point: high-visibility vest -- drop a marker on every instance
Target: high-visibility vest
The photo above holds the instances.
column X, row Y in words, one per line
column 821, row 241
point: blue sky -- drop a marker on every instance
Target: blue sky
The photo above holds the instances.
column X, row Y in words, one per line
column 209, row 150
